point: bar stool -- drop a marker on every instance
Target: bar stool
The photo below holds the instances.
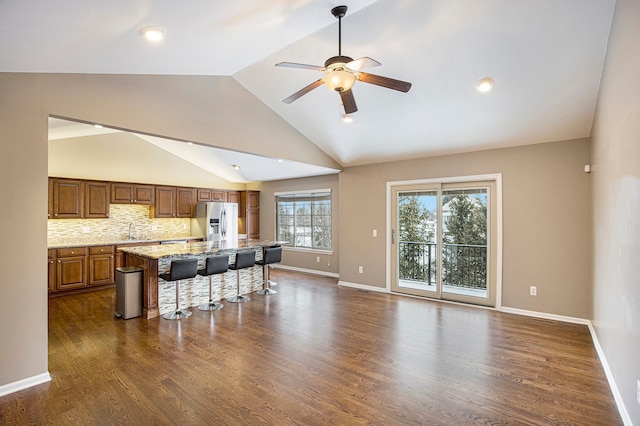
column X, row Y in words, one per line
column 214, row 265
column 270, row 255
column 244, row 259
column 179, row 270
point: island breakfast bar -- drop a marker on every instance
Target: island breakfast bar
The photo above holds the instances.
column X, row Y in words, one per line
column 159, row 296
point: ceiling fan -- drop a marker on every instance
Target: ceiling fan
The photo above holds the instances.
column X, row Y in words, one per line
column 341, row 72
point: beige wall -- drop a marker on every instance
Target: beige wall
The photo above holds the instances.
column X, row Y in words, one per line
column 23, row 226
column 124, row 157
column 616, row 205
column 179, row 107
column 546, row 220
column 301, row 259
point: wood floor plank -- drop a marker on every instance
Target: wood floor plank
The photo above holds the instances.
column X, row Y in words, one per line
column 314, row 354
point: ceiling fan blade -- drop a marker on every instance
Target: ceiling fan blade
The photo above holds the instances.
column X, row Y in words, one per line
column 303, row 66
column 387, row 82
column 365, row 62
column 303, row 91
column 348, row 101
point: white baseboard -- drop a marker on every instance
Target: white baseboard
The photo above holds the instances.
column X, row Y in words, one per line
column 306, row 271
column 624, row 414
column 24, row 383
column 622, row 409
column 362, row 287
column 545, row 315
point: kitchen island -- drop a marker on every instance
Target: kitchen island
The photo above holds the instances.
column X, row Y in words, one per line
column 159, row 295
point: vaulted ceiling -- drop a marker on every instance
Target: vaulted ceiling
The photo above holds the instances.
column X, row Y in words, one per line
column 545, row 57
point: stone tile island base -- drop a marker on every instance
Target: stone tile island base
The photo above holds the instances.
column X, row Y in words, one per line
column 159, row 296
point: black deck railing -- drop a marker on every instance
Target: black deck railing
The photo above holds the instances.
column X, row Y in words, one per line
column 464, row 265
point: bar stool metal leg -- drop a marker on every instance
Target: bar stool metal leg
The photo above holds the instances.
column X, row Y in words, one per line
column 266, row 283
column 178, row 313
column 211, row 306
column 238, row 298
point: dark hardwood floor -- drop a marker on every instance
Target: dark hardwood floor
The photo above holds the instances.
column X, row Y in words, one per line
column 314, row 354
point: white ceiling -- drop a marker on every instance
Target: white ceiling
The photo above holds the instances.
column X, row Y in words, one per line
column 546, row 57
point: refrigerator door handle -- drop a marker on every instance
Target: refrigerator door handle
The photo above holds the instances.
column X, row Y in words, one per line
column 223, row 223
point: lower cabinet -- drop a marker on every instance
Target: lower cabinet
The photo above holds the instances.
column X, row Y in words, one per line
column 71, row 268
column 77, row 268
column 101, row 265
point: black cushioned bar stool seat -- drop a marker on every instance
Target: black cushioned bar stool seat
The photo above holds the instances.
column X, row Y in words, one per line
column 214, row 265
column 270, row 255
column 244, row 259
column 180, row 269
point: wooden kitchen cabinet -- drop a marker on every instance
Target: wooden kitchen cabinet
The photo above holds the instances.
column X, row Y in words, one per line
column 68, row 198
column 77, row 199
column 165, row 202
column 249, row 213
column 101, row 265
column 52, row 270
column 174, row 202
column 71, row 268
column 131, row 193
column 206, row 195
column 233, row 197
column 50, row 199
column 96, row 199
column 186, row 200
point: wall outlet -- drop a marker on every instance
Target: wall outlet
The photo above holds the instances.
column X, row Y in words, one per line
column 184, row 226
column 533, row 290
column 375, row 233
column 638, row 392
column 154, row 227
column 318, row 259
column 85, row 230
column 360, row 270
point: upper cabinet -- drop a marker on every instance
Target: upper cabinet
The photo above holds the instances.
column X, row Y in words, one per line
column 68, row 198
column 165, row 203
column 173, row 202
column 78, row 199
column 233, row 197
column 185, row 201
column 131, row 193
column 96, row 199
column 205, row 195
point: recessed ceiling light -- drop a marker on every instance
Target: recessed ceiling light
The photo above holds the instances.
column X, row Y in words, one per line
column 98, row 126
column 485, row 85
column 236, row 167
column 189, row 143
column 153, row 33
column 280, row 160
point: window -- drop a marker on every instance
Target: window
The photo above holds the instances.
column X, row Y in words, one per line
column 304, row 219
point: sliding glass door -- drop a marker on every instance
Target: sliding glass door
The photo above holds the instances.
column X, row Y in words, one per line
column 443, row 241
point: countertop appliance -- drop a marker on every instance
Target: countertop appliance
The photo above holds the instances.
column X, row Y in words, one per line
column 216, row 222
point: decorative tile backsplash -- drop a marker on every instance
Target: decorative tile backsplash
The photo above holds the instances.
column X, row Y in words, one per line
column 116, row 227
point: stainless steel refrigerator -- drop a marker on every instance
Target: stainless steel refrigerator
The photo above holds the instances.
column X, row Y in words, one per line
column 216, row 222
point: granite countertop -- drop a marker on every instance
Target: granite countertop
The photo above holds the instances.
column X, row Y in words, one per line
column 88, row 242
column 195, row 248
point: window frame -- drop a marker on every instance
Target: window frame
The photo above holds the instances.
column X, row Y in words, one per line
column 325, row 195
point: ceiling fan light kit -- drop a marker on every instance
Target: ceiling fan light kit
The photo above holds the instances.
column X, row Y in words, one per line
column 341, row 73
